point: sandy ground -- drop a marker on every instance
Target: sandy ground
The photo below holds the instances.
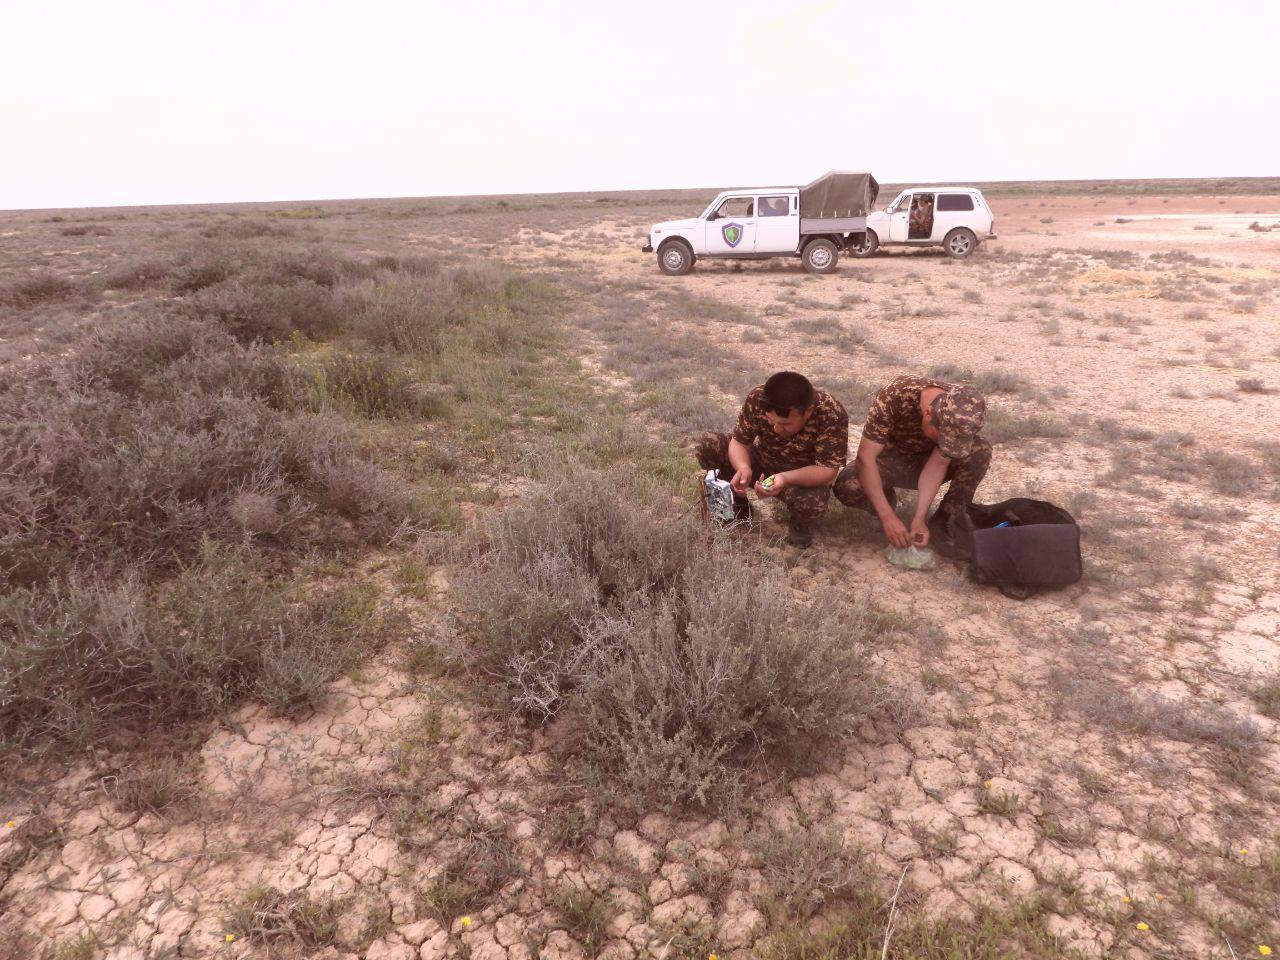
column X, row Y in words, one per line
column 995, row 783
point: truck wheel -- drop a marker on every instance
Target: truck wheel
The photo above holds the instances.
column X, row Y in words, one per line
column 869, row 245
column 959, row 243
column 675, row 258
column 820, row 256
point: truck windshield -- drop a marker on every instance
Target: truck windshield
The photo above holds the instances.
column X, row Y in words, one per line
column 735, row 207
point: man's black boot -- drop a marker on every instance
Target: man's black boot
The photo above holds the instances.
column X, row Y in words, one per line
column 800, row 532
column 940, row 530
column 948, row 534
column 960, row 529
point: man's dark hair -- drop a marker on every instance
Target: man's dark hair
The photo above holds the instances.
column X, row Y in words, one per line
column 786, row 392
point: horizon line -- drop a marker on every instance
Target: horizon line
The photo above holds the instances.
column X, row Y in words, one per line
column 571, row 193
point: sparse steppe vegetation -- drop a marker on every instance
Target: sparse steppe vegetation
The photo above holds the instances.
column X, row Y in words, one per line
column 342, row 735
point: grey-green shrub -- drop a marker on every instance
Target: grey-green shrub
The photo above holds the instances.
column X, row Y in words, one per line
column 88, row 658
column 673, row 654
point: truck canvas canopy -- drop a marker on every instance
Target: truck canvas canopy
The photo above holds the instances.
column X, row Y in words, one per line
column 839, row 194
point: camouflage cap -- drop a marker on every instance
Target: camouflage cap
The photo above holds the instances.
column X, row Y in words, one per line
column 958, row 415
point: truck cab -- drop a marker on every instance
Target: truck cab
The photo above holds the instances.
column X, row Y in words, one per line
column 761, row 222
column 957, row 219
column 743, row 224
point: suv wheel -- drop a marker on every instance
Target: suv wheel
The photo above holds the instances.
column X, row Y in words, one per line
column 675, row 258
column 820, row 256
column 959, row 243
column 869, row 245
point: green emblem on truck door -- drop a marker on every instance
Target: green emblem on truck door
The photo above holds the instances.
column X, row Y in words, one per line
column 732, row 233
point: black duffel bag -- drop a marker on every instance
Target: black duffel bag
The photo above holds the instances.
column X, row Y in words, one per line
column 1022, row 546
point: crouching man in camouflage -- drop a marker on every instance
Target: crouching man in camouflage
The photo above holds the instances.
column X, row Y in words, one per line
column 791, row 431
column 920, row 433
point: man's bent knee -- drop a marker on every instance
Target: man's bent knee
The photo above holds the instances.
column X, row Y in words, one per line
column 712, row 450
column 848, row 490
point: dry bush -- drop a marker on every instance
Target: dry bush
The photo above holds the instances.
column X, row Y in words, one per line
column 1176, row 456
column 472, row 875
column 804, row 869
column 371, row 385
column 376, row 500
column 675, row 658
column 829, row 331
column 247, row 230
column 584, row 914
column 988, row 381
column 136, row 274
column 1266, row 693
column 39, row 286
column 266, row 307
column 856, row 395
column 85, row 660
column 155, row 785
column 263, row 915
column 1004, row 427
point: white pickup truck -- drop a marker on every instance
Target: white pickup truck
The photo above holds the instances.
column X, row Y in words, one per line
column 954, row 218
column 814, row 223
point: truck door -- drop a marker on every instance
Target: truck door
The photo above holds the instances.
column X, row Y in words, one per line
column 731, row 227
column 777, row 224
column 899, row 213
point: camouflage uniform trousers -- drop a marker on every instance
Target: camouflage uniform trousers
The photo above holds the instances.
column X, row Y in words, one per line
column 901, row 469
column 803, row 503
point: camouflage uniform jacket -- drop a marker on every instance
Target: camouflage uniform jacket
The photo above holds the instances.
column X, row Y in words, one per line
column 894, row 417
column 824, row 439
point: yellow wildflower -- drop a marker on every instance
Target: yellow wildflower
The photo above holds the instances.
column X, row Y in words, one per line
column 1264, row 950
column 10, row 825
column 1126, row 899
column 714, row 957
column 465, row 921
column 988, row 783
column 1143, row 926
column 230, row 938
column 1243, row 852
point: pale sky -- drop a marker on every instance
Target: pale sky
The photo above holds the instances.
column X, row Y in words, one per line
column 186, row 101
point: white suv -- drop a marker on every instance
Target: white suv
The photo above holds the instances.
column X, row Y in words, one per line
column 954, row 218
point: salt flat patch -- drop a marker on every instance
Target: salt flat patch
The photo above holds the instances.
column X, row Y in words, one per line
column 1223, row 218
column 1203, row 238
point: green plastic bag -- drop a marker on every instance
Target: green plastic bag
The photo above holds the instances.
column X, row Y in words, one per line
column 911, row 558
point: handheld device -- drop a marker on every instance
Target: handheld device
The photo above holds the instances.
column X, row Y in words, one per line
column 718, row 496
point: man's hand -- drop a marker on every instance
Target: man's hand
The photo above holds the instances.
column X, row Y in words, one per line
column 741, row 482
column 779, row 484
column 919, row 532
column 895, row 530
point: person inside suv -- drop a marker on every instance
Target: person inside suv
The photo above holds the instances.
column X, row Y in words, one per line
column 921, row 217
